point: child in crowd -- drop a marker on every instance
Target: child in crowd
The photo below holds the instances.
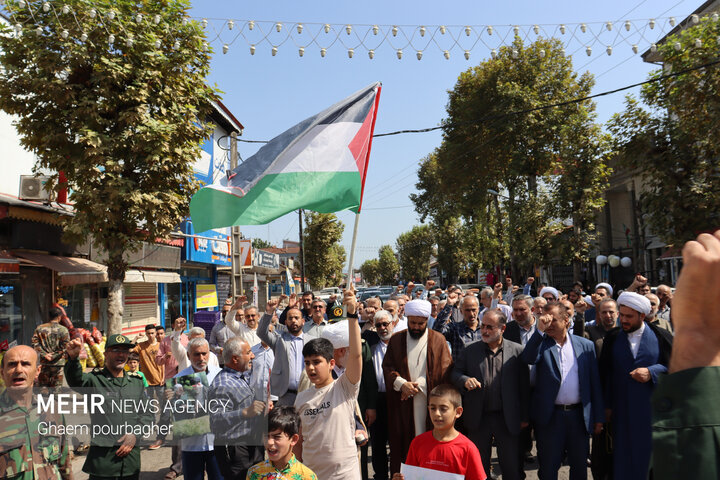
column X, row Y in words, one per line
column 327, row 409
column 283, row 434
column 133, row 365
column 444, row 448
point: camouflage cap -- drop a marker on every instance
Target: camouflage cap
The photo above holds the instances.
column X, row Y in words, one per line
column 118, row 341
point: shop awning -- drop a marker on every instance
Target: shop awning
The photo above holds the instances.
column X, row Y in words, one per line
column 71, row 270
column 151, row 276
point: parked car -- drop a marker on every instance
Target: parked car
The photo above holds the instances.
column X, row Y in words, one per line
column 326, row 293
column 369, row 294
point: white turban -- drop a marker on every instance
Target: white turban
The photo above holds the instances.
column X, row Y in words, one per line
column 551, row 290
column 588, row 300
column 338, row 333
column 606, row 286
column 418, row 308
column 633, row 300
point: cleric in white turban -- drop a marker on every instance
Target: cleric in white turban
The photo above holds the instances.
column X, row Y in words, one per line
column 551, row 290
column 606, row 286
column 633, row 300
column 418, row 308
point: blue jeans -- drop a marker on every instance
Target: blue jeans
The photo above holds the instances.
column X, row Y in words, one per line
column 195, row 464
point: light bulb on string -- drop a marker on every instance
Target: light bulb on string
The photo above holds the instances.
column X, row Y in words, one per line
column 542, row 53
column 64, row 34
column 490, row 29
column 698, row 43
column 348, row 29
column 395, row 30
column 230, row 24
column 21, row 4
column 83, row 37
column 422, row 31
column 588, row 51
column 714, row 17
column 156, row 19
column 18, row 28
column 562, row 51
column 516, row 30
column 278, row 27
column 158, row 43
column 399, row 53
column 694, row 18
column 130, row 41
column 176, row 45
column 111, row 39
column 609, row 26
column 653, row 48
column 252, row 49
column 583, row 27
column 274, row 50
column 446, row 54
column 627, row 25
column 635, row 48
column 65, row 9
column 493, row 53
column 225, row 49
column 536, row 29
column 562, row 29
column 515, row 53
column 351, row 52
column 608, row 50
column 46, row 7
column 323, row 51
column 39, row 31
column 93, row 13
column 111, row 15
column 299, row 28
column 301, row 51
column 139, row 18
column 375, row 29
column 184, row 21
column 371, row 54
column 419, row 54
column 204, row 22
column 677, row 46
column 672, row 21
column 251, row 25
column 468, row 30
column 327, row 28
column 651, row 23
column 443, row 29
column 467, row 54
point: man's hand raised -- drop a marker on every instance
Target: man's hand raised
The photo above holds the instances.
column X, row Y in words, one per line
column 271, row 305
column 73, row 348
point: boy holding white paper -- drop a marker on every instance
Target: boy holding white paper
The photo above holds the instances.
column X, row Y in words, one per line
column 444, row 448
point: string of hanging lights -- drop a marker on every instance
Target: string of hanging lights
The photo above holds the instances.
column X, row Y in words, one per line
column 591, row 37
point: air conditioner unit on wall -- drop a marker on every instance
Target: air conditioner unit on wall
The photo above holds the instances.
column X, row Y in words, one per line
column 33, row 188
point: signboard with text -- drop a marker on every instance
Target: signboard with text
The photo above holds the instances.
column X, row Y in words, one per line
column 211, row 247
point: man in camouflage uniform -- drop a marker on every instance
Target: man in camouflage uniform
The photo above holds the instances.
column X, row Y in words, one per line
column 50, row 340
column 25, row 454
column 110, row 456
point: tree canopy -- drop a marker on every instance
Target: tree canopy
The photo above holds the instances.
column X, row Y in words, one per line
column 414, row 249
column 113, row 95
column 324, row 256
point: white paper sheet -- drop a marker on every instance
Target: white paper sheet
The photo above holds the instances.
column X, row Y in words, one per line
column 419, row 473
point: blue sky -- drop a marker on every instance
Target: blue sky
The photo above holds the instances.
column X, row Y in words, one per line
column 269, row 93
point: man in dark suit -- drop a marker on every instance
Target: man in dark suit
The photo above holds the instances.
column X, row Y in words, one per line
column 567, row 405
column 496, row 383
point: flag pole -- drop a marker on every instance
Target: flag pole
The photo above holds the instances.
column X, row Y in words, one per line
column 352, row 250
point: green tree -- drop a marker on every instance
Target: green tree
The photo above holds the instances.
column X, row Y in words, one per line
column 414, row 249
column 260, row 243
column 497, row 137
column 370, row 270
column 673, row 145
column 324, row 256
column 388, row 266
column 123, row 119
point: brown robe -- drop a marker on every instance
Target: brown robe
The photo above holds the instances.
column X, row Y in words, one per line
column 401, row 425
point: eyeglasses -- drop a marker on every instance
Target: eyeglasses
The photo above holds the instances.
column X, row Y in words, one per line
column 319, row 307
column 488, row 327
column 382, row 325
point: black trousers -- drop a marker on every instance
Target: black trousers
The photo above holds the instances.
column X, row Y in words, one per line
column 379, row 439
column 234, row 461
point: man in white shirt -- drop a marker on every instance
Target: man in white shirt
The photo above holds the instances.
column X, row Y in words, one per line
column 246, row 330
column 180, row 352
column 198, row 456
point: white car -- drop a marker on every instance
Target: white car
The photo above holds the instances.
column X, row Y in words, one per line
column 325, row 293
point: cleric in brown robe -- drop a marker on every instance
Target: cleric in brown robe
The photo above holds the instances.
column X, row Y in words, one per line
column 417, row 360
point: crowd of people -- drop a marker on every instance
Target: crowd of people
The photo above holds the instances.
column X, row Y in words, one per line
column 310, row 390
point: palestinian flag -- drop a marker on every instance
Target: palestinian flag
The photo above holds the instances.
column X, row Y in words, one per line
column 319, row 164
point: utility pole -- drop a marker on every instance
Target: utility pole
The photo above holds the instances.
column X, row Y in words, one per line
column 236, row 268
column 302, row 252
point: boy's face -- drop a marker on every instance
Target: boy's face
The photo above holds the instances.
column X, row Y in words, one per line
column 318, row 369
column 442, row 413
column 133, row 365
column 279, row 444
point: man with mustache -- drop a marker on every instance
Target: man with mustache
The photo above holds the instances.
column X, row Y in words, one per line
column 417, row 360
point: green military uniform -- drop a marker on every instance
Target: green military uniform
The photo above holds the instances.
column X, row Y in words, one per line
column 102, row 460
column 51, row 338
column 25, row 454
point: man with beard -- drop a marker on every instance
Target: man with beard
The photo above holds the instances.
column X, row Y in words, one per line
column 607, row 315
column 416, row 361
column 379, row 426
column 497, row 385
column 632, row 358
column 665, row 295
column 28, row 455
column 653, row 317
column 248, row 330
column 198, row 456
column 398, row 323
column 287, row 342
column 305, row 305
column 602, row 290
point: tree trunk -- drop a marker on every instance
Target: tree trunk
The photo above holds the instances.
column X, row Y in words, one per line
column 116, row 276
